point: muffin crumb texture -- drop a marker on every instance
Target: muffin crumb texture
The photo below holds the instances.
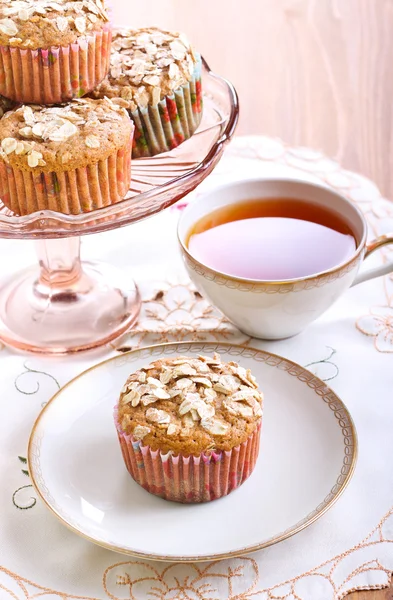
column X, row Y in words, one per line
column 146, row 65
column 190, row 406
column 65, row 137
column 33, row 24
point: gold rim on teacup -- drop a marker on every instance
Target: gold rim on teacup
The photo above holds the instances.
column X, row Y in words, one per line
column 363, row 250
column 278, row 309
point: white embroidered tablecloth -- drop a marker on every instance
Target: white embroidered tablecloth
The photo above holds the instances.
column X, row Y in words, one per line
column 351, row 346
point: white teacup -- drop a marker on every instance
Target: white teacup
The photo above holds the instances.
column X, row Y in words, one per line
column 278, row 309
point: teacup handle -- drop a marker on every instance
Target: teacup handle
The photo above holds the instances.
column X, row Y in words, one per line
column 379, row 242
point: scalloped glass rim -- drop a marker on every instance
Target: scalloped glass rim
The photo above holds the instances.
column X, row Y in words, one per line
column 183, row 169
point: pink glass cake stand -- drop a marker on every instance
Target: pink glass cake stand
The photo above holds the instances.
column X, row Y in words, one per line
column 65, row 305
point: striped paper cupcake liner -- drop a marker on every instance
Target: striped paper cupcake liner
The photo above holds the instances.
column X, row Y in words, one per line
column 71, row 192
column 56, row 74
column 189, row 479
column 165, row 126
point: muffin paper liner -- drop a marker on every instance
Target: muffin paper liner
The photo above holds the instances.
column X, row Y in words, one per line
column 71, row 192
column 165, row 126
column 189, row 479
column 56, row 74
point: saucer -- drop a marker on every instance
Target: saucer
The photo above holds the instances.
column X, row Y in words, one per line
column 307, row 457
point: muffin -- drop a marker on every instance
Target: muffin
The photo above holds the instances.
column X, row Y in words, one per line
column 52, row 51
column 72, row 158
column 189, row 428
column 157, row 76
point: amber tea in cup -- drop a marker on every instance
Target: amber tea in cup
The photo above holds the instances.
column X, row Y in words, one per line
column 272, row 239
column 274, row 254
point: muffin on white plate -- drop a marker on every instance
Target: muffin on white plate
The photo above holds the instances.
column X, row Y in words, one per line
column 189, row 428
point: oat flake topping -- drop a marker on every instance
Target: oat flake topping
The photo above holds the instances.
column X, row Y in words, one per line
column 57, row 124
column 71, row 13
column 147, row 64
column 185, row 393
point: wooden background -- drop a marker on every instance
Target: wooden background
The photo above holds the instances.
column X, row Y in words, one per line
column 312, row 72
column 381, row 595
column 317, row 73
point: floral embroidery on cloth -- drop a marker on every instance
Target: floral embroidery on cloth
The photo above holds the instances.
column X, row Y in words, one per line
column 176, row 312
column 379, row 325
column 236, row 579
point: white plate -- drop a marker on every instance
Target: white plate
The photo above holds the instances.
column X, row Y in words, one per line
column 307, row 457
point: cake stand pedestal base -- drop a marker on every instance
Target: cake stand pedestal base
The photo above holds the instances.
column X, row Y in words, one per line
column 66, row 306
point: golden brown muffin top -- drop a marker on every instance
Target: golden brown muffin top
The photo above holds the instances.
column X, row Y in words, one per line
column 190, row 405
column 62, row 138
column 43, row 23
column 147, row 65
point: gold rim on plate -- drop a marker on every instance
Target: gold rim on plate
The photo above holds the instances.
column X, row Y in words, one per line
column 322, row 390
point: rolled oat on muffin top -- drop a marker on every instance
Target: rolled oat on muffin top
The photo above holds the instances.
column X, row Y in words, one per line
column 52, row 50
column 64, row 137
column 156, row 75
column 146, row 65
column 36, row 24
column 190, row 406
